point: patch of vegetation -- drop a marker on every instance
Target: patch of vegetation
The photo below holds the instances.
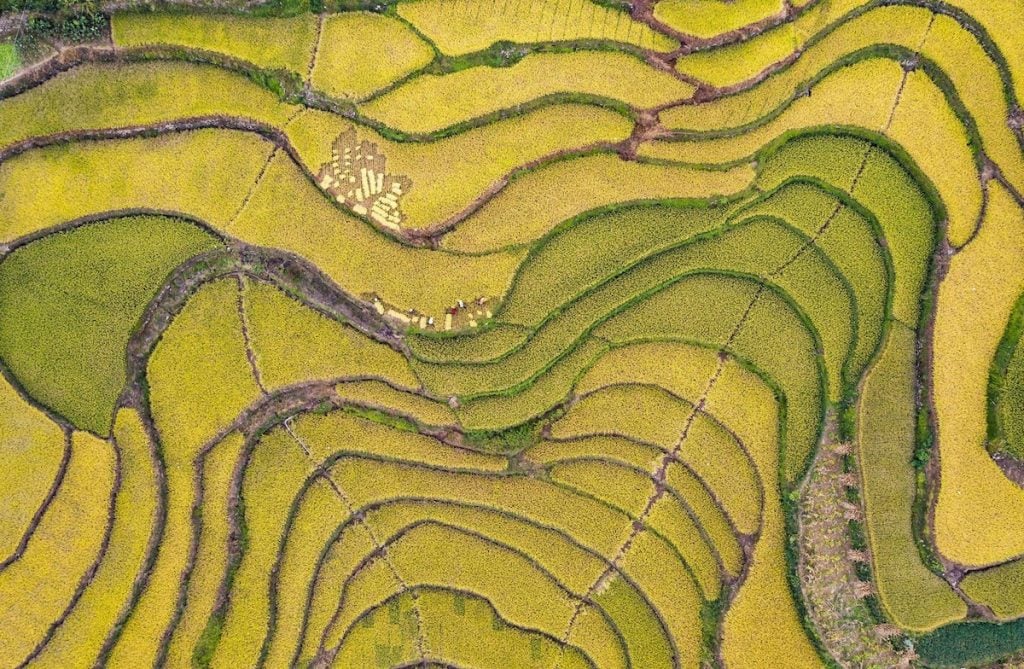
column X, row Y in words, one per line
column 81, row 22
column 10, row 61
column 72, row 299
column 1006, row 389
column 383, row 418
column 508, row 441
column 970, row 643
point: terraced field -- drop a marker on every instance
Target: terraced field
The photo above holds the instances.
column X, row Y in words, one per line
column 542, row 333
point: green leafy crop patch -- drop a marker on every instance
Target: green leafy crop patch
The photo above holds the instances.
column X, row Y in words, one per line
column 71, row 301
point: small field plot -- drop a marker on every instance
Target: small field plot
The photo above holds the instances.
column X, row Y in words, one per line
column 71, row 301
column 464, row 26
column 265, row 42
column 360, row 53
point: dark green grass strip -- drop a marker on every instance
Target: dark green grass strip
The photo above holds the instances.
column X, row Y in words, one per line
column 1006, row 388
column 970, row 643
column 10, row 61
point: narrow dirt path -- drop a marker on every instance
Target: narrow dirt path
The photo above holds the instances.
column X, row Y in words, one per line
column 828, row 577
column 308, row 86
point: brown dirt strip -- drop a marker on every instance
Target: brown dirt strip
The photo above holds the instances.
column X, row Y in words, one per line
column 315, row 53
column 1017, row 196
column 269, row 411
column 1012, row 467
column 926, row 364
column 827, row 575
column 243, row 319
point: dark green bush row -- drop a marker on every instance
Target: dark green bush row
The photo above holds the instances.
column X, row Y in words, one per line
column 970, row 643
column 64, row 20
column 72, row 6
column 80, row 26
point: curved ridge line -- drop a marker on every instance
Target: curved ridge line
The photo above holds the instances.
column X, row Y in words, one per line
column 407, row 529
column 528, row 520
column 44, row 506
column 86, row 579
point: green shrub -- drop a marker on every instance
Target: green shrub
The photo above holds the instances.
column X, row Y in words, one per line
column 970, row 643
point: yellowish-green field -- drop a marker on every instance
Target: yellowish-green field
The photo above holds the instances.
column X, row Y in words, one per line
column 512, row 333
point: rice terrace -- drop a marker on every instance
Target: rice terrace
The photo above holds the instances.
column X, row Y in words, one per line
column 620, row 334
